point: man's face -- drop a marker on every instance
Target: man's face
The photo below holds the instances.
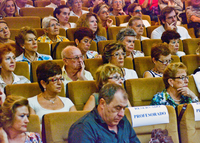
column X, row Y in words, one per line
column 113, row 112
column 170, row 18
column 56, row 2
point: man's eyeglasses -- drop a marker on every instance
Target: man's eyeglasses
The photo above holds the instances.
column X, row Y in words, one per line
column 116, row 78
column 138, row 11
column 76, row 58
column 165, row 62
column 183, row 77
column 55, row 79
column 117, row 55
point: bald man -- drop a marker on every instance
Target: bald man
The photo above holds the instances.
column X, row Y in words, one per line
column 73, row 68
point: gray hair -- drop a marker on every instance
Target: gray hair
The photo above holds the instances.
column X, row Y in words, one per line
column 110, row 3
column 46, row 21
column 125, row 32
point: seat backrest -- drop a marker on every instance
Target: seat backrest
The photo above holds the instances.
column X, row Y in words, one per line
column 13, row 32
column 35, row 64
column 40, row 32
column 146, row 17
column 34, row 124
column 190, row 45
column 192, row 85
column 57, row 52
column 113, row 18
column 44, row 48
column 42, row 3
column 25, row 72
column 150, row 30
column 189, row 128
column 73, row 19
column 122, row 19
column 37, row 11
column 113, row 31
column 144, row 132
column 192, row 62
column 57, row 125
column 92, row 65
column 76, row 94
column 19, row 22
column 143, row 64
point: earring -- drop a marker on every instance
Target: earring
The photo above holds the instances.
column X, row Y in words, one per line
column 172, row 85
column 44, row 89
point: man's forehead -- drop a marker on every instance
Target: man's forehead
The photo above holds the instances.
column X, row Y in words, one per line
column 172, row 13
column 73, row 51
column 119, row 98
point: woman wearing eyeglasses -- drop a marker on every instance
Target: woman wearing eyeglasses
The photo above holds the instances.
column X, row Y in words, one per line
column 115, row 54
column 107, row 73
column 50, row 82
column 117, row 7
column 176, row 87
column 161, row 57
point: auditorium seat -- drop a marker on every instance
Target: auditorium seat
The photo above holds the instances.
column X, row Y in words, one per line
column 73, row 19
column 113, row 18
column 150, row 30
column 42, row 3
column 25, row 72
column 76, row 94
column 19, row 22
column 34, row 124
column 190, row 45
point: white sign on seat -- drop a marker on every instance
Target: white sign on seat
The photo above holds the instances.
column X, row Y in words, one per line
column 149, row 115
column 196, row 107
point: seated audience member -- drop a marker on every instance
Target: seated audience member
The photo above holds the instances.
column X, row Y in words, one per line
column 54, row 4
column 176, row 4
column 94, row 3
column 51, row 27
column 117, row 7
column 150, row 7
column 176, row 87
column 8, row 9
column 90, row 20
column 2, row 96
column 27, row 40
column 106, row 122
column 62, row 14
column 115, row 54
column 193, row 15
column 76, row 6
column 74, row 68
column 14, row 119
column 83, row 38
column 4, row 33
column 128, row 36
column 21, row 4
column 172, row 38
column 102, row 10
column 135, row 9
column 168, row 18
column 137, row 25
column 107, row 73
column 50, row 79
column 161, row 57
column 8, row 64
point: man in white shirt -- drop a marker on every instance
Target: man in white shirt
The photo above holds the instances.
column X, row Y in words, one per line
column 168, row 19
column 21, row 4
column 54, row 4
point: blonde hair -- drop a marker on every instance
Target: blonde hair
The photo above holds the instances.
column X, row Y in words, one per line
column 3, row 6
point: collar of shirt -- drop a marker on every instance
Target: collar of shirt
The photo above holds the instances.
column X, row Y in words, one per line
column 15, row 77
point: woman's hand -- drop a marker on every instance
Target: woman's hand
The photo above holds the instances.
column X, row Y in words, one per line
column 109, row 22
column 3, row 136
column 186, row 92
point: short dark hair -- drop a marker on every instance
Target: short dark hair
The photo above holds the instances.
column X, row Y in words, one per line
column 169, row 35
column 57, row 10
column 108, row 91
column 82, row 32
column 46, row 70
column 109, row 48
column 160, row 49
column 165, row 11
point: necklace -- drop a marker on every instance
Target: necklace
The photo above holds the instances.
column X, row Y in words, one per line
column 52, row 101
column 177, row 100
column 30, row 59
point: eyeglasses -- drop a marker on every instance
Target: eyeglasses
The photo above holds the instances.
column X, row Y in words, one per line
column 120, row 2
column 76, row 58
column 53, row 25
column 183, row 77
column 165, row 62
column 78, row 2
column 116, row 78
column 138, row 11
column 117, row 55
column 55, row 79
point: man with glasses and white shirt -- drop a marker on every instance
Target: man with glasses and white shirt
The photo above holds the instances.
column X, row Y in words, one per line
column 74, row 68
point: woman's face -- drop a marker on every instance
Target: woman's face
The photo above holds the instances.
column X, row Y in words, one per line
column 55, row 84
column 30, row 43
column 20, row 120
column 77, row 5
column 104, row 14
column 116, row 78
column 117, row 58
column 4, row 31
column 117, row 5
column 93, row 23
column 174, row 46
column 10, row 8
column 181, row 81
column 129, row 42
column 137, row 11
column 63, row 17
column 162, row 62
column 138, row 27
column 96, row 2
column 8, row 62
column 53, row 28
column 84, row 44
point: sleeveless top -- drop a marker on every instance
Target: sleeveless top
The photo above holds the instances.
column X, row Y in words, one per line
column 154, row 74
